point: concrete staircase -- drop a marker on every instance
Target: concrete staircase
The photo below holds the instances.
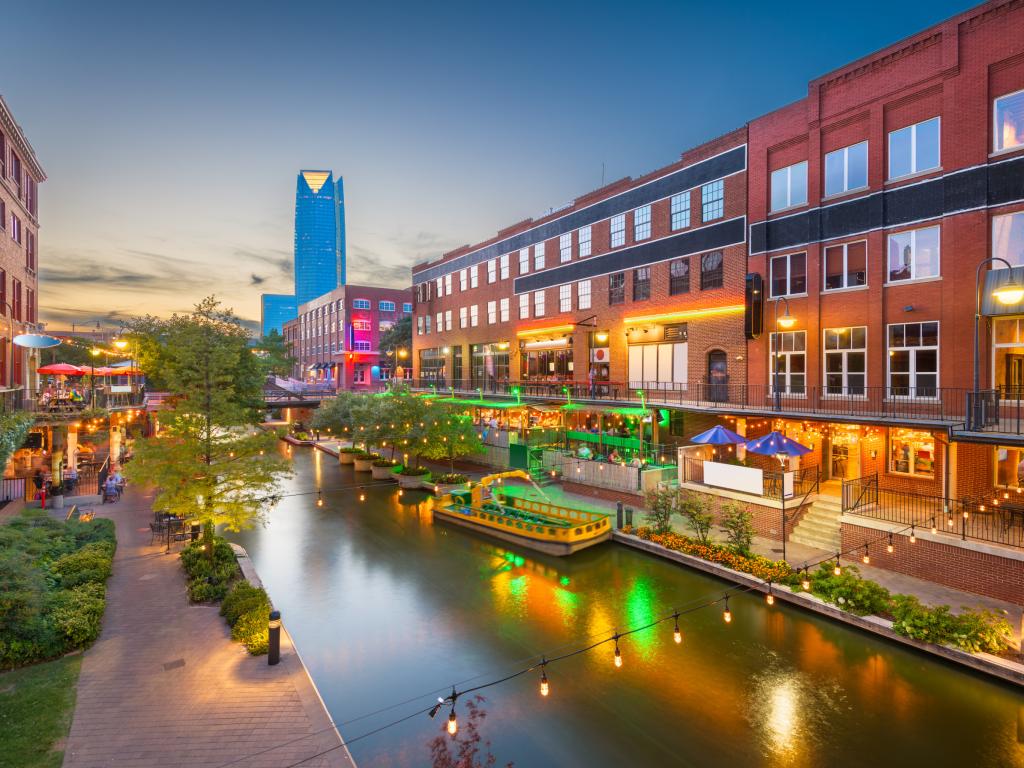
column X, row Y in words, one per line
column 819, row 527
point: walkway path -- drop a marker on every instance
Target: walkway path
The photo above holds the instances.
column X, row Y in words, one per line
column 165, row 686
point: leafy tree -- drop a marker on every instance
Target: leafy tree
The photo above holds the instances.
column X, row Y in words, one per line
column 738, row 523
column 662, row 503
column 208, row 461
column 272, row 353
column 695, row 513
column 398, row 336
column 450, row 436
column 14, row 428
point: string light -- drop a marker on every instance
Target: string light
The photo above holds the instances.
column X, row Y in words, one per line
column 453, row 722
column 838, row 571
column 935, row 530
column 769, row 597
column 677, row 635
column 618, row 653
column 913, row 538
column 889, row 546
column 362, row 494
column 545, row 688
column 867, row 558
column 806, row 583
column 727, row 614
column 319, row 498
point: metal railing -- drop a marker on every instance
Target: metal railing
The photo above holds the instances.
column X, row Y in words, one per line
column 978, row 519
column 938, row 405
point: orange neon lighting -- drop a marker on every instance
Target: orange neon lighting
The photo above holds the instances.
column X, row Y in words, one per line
column 731, row 309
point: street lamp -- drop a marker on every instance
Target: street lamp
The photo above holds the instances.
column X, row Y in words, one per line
column 95, row 353
column 1010, row 292
column 785, row 322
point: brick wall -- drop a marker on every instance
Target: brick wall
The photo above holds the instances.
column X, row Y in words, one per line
column 949, row 564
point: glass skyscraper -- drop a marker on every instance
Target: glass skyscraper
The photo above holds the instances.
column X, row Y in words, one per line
column 319, row 234
column 276, row 310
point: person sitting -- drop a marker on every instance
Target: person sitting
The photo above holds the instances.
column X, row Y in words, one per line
column 614, row 456
column 119, row 481
column 110, row 490
column 584, row 451
column 636, row 462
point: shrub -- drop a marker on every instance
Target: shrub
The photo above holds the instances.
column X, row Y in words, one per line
column 367, row 455
column 738, row 523
column 209, row 580
column 984, row 631
column 452, row 478
column 243, row 598
column 756, row 565
column 385, row 463
column 207, row 590
column 917, row 621
column 91, row 563
column 77, row 613
column 695, row 513
column 251, row 631
column 662, row 503
column 849, row 591
column 414, row 471
column 350, row 449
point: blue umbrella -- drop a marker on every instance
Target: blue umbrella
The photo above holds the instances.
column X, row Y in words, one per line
column 777, row 444
column 718, row 435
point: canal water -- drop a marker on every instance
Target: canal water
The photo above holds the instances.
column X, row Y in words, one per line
column 388, row 607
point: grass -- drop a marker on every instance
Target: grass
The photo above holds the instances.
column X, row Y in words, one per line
column 35, row 712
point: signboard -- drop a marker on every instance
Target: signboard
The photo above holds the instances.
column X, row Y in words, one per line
column 120, row 388
column 736, row 478
column 787, row 485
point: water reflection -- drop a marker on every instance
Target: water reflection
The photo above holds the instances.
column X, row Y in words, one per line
column 388, row 606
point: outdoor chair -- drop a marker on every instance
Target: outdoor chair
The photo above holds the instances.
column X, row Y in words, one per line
column 156, row 532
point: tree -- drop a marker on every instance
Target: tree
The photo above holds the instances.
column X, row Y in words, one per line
column 450, row 436
column 662, row 503
column 398, row 336
column 273, row 354
column 208, row 461
column 738, row 522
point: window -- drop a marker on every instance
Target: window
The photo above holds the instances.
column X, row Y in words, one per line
column 583, row 236
column 419, row 325
column 711, row 272
column 617, row 288
column 712, row 198
column 492, row 270
column 440, row 322
column 503, row 309
column 789, row 274
column 463, row 279
column 846, row 169
column 448, row 284
column 679, row 276
column 492, row 312
column 538, row 304
column 789, row 362
column 1008, row 238
column 474, row 316
column 565, row 298
column 427, row 324
column 1008, row 131
column 641, row 284
column 503, row 266
column 914, row 255
column 524, row 261
column 618, row 230
column 642, row 223
column 846, row 361
column 440, row 287
column 680, row 211
column 360, row 304
column 538, row 256
column 914, row 149
column 789, row 186
column 361, row 346
column 583, row 294
column 16, row 229
column 565, row 247
column 361, row 325
column 406, row 307
column 846, row 265
column 912, row 452
column 463, row 317
column 384, row 325
column 913, row 359
column 447, row 319
column 385, row 306
column 524, row 306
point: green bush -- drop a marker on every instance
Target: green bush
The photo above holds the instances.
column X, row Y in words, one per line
column 363, row 455
column 738, row 522
column 983, row 631
column 350, row 449
column 973, row 630
column 452, row 478
column 77, row 613
column 849, row 591
column 243, row 598
column 251, row 631
column 209, row 578
column 385, row 463
column 414, row 471
column 91, row 563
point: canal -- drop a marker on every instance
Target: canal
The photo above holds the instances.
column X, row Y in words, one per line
column 387, row 607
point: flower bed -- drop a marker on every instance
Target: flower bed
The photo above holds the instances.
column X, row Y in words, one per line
column 755, row 565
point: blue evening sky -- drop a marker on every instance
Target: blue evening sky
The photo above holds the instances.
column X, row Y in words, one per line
column 172, row 132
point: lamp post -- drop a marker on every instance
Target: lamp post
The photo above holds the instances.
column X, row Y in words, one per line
column 785, row 322
column 1007, row 294
column 95, row 353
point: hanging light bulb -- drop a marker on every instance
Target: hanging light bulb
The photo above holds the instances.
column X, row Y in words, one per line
column 399, row 491
column 727, row 614
column 618, row 653
column 545, row 689
column 319, row 498
column 805, row 585
column 889, row 547
column 867, row 558
column 362, row 494
column 838, row 571
column 453, row 722
column 934, row 528
column 677, row 635
column 769, row 597
column 913, row 538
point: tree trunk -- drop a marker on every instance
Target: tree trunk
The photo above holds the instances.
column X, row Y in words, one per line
column 208, row 539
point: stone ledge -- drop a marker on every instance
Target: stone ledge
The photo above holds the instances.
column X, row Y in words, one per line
column 993, row 666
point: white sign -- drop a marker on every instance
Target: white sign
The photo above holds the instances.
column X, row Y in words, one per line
column 119, row 388
column 787, row 485
column 735, row 478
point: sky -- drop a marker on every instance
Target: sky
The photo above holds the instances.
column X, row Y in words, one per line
column 171, row 133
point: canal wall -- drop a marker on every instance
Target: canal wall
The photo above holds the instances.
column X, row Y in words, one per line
column 987, row 664
column 312, row 701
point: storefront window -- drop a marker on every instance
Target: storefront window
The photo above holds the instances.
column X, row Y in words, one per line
column 547, row 364
column 490, row 366
column 1008, row 357
column 432, row 364
column 457, row 365
column 1009, row 467
column 912, row 453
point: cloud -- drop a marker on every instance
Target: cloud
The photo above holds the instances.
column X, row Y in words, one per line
column 255, row 279
column 277, row 258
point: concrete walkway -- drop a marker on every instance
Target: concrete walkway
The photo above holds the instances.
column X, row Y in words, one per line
column 165, row 686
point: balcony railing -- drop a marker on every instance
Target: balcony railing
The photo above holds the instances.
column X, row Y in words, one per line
column 946, row 406
column 978, row 519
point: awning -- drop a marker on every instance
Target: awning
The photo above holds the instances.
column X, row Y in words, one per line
column 994, row 280
column 547, row 344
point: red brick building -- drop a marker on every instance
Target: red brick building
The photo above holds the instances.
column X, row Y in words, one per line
column 335, row 338
column 20, row 176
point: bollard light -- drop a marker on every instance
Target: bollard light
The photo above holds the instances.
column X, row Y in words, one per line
column 274, row 638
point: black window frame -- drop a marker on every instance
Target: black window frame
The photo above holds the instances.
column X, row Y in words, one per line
column 616, row 288
column 678, row 284
column 641, row 285
column 715, row 278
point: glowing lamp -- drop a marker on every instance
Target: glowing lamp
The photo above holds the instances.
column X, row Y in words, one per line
column 1009, row 293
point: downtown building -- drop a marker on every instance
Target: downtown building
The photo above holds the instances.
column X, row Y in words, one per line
column 20, row 176
column 335, row 340
column 813, row 272
column 319, row 255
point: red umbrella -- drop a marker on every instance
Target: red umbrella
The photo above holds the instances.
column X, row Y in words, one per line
column 61, row 369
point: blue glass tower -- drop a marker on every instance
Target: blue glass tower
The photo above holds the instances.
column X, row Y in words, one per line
column 319, row 234
column 276, row 310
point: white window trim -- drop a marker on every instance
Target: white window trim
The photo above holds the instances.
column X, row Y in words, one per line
column 539, row 303
column 503, row 268
column 503, row 310
column 846, row 171
column 672, row 214
column 845, row 247
column 824, row 365
column 785, row 376
column 995, row 149
column 492, row 271
column 913, row 151
column 524, row 306
column 612, row 231
column 588, row 241
column 789, row 278
column 538, row 256
column 789, row 187
column 463, row 279
column 565, row 251
column 913, row 372
column 524, row 261
column 637, row 237
column 580, row 293
column 913, row 265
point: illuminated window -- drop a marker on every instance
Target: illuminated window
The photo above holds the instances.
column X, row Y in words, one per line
column 846, row 360
column 789, row 354
column 912, row 453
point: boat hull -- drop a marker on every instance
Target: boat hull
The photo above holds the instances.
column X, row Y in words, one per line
column 548, row 546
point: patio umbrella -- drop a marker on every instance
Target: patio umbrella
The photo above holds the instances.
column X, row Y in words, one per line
column 718, row 435
column 61, row 369
column 777, row 444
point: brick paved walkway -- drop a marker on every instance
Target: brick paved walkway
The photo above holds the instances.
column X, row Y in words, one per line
column 165, row 686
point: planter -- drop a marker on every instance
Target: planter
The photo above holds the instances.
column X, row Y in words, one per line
column 411, row 481
column 57, row 502
column 364, row 465
column 346, row 458
column 381, row 473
